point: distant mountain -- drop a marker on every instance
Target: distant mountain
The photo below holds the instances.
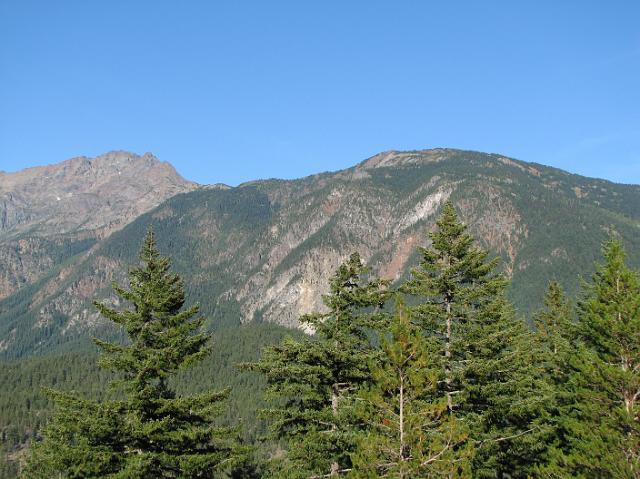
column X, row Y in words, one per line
column 263, row 251
column 50, row 213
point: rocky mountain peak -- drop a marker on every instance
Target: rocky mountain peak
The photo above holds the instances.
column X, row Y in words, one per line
column 402, row 158
column 82, row 193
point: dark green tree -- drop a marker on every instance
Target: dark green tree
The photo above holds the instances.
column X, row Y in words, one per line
column 556, row 340
column 605, row 426
column 555, row 330
column 312, row 382
column 151, row 431
column 490, row 370
column 408, row 431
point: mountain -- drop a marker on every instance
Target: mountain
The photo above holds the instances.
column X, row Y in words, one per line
column 51, row 213
column 263, row 251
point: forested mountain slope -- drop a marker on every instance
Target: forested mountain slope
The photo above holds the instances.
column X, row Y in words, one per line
column 25, row 409
column 263, row 251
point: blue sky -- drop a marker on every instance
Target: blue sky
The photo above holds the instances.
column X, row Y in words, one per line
column 239, row 90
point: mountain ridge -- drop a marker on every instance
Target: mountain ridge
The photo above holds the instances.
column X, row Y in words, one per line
column 81, row 184
column 263, row 251
column 49, row 213
column 392, row 153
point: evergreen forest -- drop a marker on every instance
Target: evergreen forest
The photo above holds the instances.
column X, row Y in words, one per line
column 437, row 376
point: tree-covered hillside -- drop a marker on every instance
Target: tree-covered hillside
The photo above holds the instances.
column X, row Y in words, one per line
column 264, row 251
column 25, row 408
column 435, row 375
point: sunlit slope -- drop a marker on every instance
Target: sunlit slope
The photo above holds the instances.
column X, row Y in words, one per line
column 263, row 251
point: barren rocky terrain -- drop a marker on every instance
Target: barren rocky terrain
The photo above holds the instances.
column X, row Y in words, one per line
column 50, row 213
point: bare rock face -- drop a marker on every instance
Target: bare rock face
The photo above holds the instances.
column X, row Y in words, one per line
column 50, row 213
column 99, row 194
column 405, row 158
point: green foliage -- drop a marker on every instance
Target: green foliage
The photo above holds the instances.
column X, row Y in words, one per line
column 484, row 396
column 543, row 222
column 603, row 429
column 556, row 343
column 407, row 431
column 151, row 431
column 489, row 370
column 555, row 331
column 478, row 381
column 16, row 308
column 311, row 383
column 26, row 410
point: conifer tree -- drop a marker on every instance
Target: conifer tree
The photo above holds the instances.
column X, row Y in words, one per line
column 150, row 432
column 490, row 372
column 555, row 331
column 408, row 431
column 556, row 340
column 312, row 382
column 605, row 429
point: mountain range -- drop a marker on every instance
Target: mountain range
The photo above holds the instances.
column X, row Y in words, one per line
column 264, row 250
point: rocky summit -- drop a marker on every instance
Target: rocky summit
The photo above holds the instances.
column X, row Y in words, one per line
column 263, row 251
column 93, row 195
column 50, row 213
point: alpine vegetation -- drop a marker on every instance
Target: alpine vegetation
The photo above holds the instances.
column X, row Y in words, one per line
column 435, row 376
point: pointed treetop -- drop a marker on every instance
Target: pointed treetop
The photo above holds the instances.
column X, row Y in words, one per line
column 556, row 300
column 451, row 235
column 554, row 328
column 614, row 253
column 172, row 435
column 609, row 306
column 449, row 213
column 449, row 218
column 149, row 250
column 349, row 290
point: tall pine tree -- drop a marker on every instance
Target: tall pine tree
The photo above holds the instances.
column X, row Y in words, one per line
column 408, row 432
column 312, row 382
column 556, row 340
column 151, row 432
column 605, row 428
column 555, row 330
column 490, row 373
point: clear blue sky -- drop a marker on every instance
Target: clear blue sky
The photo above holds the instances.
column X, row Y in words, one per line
column 239, row 90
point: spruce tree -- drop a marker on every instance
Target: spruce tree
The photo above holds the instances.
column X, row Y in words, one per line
column 490, row 373
column 408, row 432
column 151, row 431
column 556, row 340
column 605, row 429
column 555, row 331
column 312, row 382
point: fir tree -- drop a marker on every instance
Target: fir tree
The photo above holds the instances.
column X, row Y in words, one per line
column 408, row 431
column 555, row 331
column 313, row 382
column 84, row 439
column 605, row 428
column 490, row 372
column 555, row 335
column 151, row 432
